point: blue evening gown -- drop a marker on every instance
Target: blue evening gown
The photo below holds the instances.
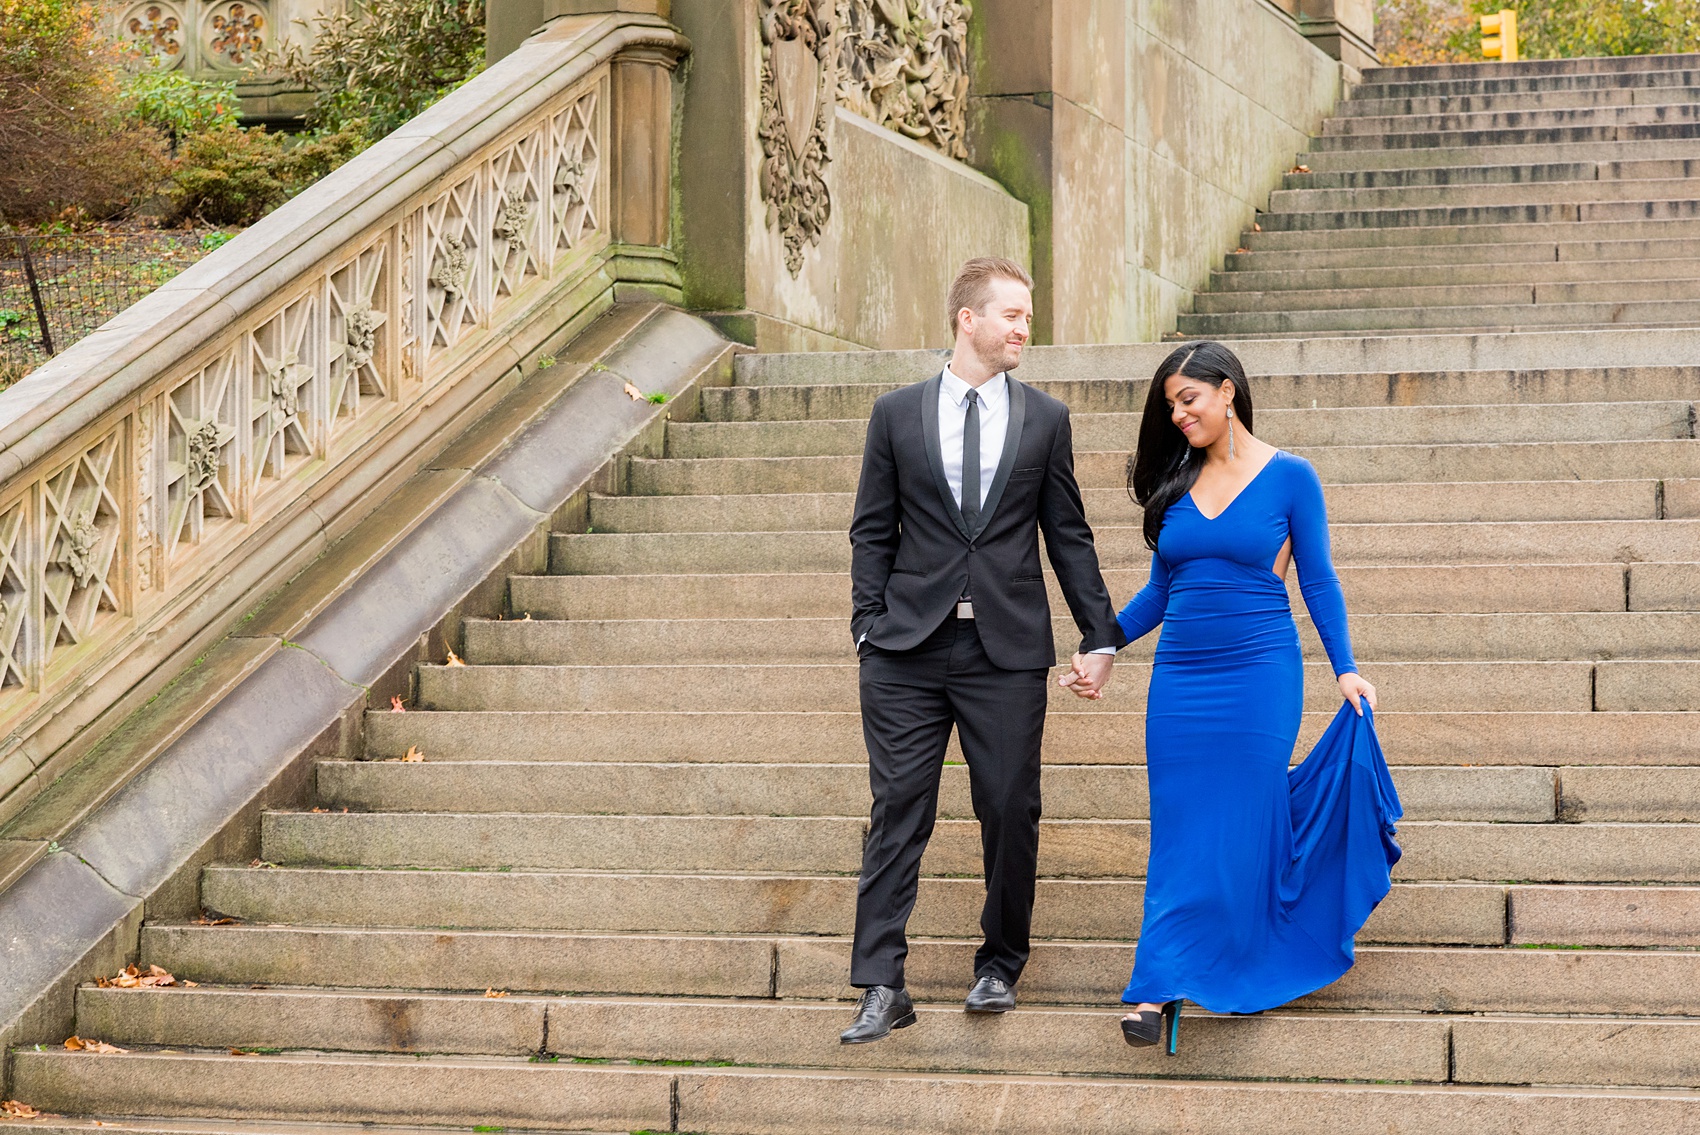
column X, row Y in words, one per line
column 1259, row 876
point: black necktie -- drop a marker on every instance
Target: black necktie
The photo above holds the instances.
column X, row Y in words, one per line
column 971, row 462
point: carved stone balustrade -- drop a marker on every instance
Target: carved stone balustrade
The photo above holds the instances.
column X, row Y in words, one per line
column 207, row 442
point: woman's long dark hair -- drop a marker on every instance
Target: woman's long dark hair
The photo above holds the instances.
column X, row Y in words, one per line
column 1162, row 470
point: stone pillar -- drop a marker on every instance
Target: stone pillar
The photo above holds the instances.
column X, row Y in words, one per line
column 508, row 22
column 1048, row 121
column 1345, row 29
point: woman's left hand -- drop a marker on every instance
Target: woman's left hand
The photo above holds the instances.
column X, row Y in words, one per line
column 1354, row 687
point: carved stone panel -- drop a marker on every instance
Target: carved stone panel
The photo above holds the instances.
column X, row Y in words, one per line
column 456, row 241
column 356, row 340
column 202, row 478
column 796, row 107
column 283, row 410
column 517, row 195
column 904, row 65
column 234, row 33
column 156, row 30
column 80, row 538
column 17, row 619
column 575, row 189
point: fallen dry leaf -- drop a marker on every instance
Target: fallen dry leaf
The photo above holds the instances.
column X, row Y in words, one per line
column 395, row 705
column 413, row 755
column 633, row 393
column 260, row 863
column 1256, row 228
column 495, row 993
column 213, row 920
column 239, row 1052
column 12, row 1109
column 321, row 810
column 131, row 977
column 454, row 660
column 1299, row 169
column 187, row 984
column 99, row 1047
column 1242, row 248
column 527, row 618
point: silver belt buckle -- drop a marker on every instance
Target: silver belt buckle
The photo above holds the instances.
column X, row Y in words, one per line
column 965, row 609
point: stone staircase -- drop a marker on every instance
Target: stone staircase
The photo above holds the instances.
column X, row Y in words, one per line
column 1532, row 195
column 616, row 892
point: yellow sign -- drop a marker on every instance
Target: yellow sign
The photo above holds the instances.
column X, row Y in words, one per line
column 1499, row 36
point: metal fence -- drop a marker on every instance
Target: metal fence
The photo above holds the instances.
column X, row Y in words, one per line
column 56, row 288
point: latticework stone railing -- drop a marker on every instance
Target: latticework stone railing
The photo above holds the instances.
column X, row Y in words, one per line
column 203, row 434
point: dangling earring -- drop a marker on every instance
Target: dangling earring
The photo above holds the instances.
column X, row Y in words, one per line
column 1230, row 433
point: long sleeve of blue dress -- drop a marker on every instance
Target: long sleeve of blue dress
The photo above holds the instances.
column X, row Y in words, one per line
column 1145, row 610
column 1318, row 583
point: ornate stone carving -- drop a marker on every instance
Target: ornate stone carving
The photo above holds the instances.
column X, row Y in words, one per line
column 235, row 33
column 513, row 217
column 156, row 30
column 452, row 267
column 569, row 178
column 904, row 65
column 76, row 555
column 284, row 381
column 144, row 435
column 360, row 330
column 796, row 106
column 206, row 444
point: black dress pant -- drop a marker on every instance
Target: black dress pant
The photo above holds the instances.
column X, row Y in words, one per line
column 910, row 701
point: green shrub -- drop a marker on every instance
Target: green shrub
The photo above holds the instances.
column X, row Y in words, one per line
column 69, row 142
column 382, row 62
column 179, row 105
column 235, row 176
column 1440, row 31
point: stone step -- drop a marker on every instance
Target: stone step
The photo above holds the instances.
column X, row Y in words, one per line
column 1575, row 316
column 1435, row 850
column 1454, row 255
column 1106, row 394
column 1626, row 69
column 1440, row 235
column 129, row 1125
column 1464, row 216
column 1528, row 738
column 1072, row 792
column 1486, row 589
column 1629, row 686
column 1273, row 1046
column 1678, row 86
column 1431, row 502
column 1297, row 429
column 1651, row 981
column 466, row 1091
column 1651, row 110
column 1603, row 131
column 1468, row 194
column 1559, row 541
column 1423, row 913
column 1335, row 464
column 1493, row 296
column 1528, row 636
column 1461, row 157
column 1530, row 173
column 1303, row 283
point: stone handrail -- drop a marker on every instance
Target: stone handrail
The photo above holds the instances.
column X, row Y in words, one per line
column 209, row 427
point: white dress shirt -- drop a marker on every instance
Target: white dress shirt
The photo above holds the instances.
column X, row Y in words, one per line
column 994, row 427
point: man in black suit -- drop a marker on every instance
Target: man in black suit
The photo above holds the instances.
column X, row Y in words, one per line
column 953, row 627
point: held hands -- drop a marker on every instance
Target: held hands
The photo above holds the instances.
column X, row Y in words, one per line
column 1354, row 687
column 1088, row 675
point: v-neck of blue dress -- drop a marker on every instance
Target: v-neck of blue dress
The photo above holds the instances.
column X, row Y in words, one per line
column 1198, row 556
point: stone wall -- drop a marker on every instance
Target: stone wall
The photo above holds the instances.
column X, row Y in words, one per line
column 1144, row 135
column 874, row 241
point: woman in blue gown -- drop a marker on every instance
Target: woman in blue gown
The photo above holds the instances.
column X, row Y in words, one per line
column 1259, row 877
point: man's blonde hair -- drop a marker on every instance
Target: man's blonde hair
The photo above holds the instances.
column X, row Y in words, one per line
column 972, row 288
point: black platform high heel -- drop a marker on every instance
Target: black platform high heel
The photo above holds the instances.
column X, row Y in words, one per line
column 1147, row 1029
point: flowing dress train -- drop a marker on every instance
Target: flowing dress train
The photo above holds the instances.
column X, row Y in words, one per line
column 1260, row 874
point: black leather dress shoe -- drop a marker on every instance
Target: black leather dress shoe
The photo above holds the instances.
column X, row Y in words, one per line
column 990, row 995
column 881, row 1009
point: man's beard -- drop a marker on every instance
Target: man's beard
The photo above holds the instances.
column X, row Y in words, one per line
column 995, row 353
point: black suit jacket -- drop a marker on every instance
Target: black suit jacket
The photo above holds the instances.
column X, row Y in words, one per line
column 912, row 555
